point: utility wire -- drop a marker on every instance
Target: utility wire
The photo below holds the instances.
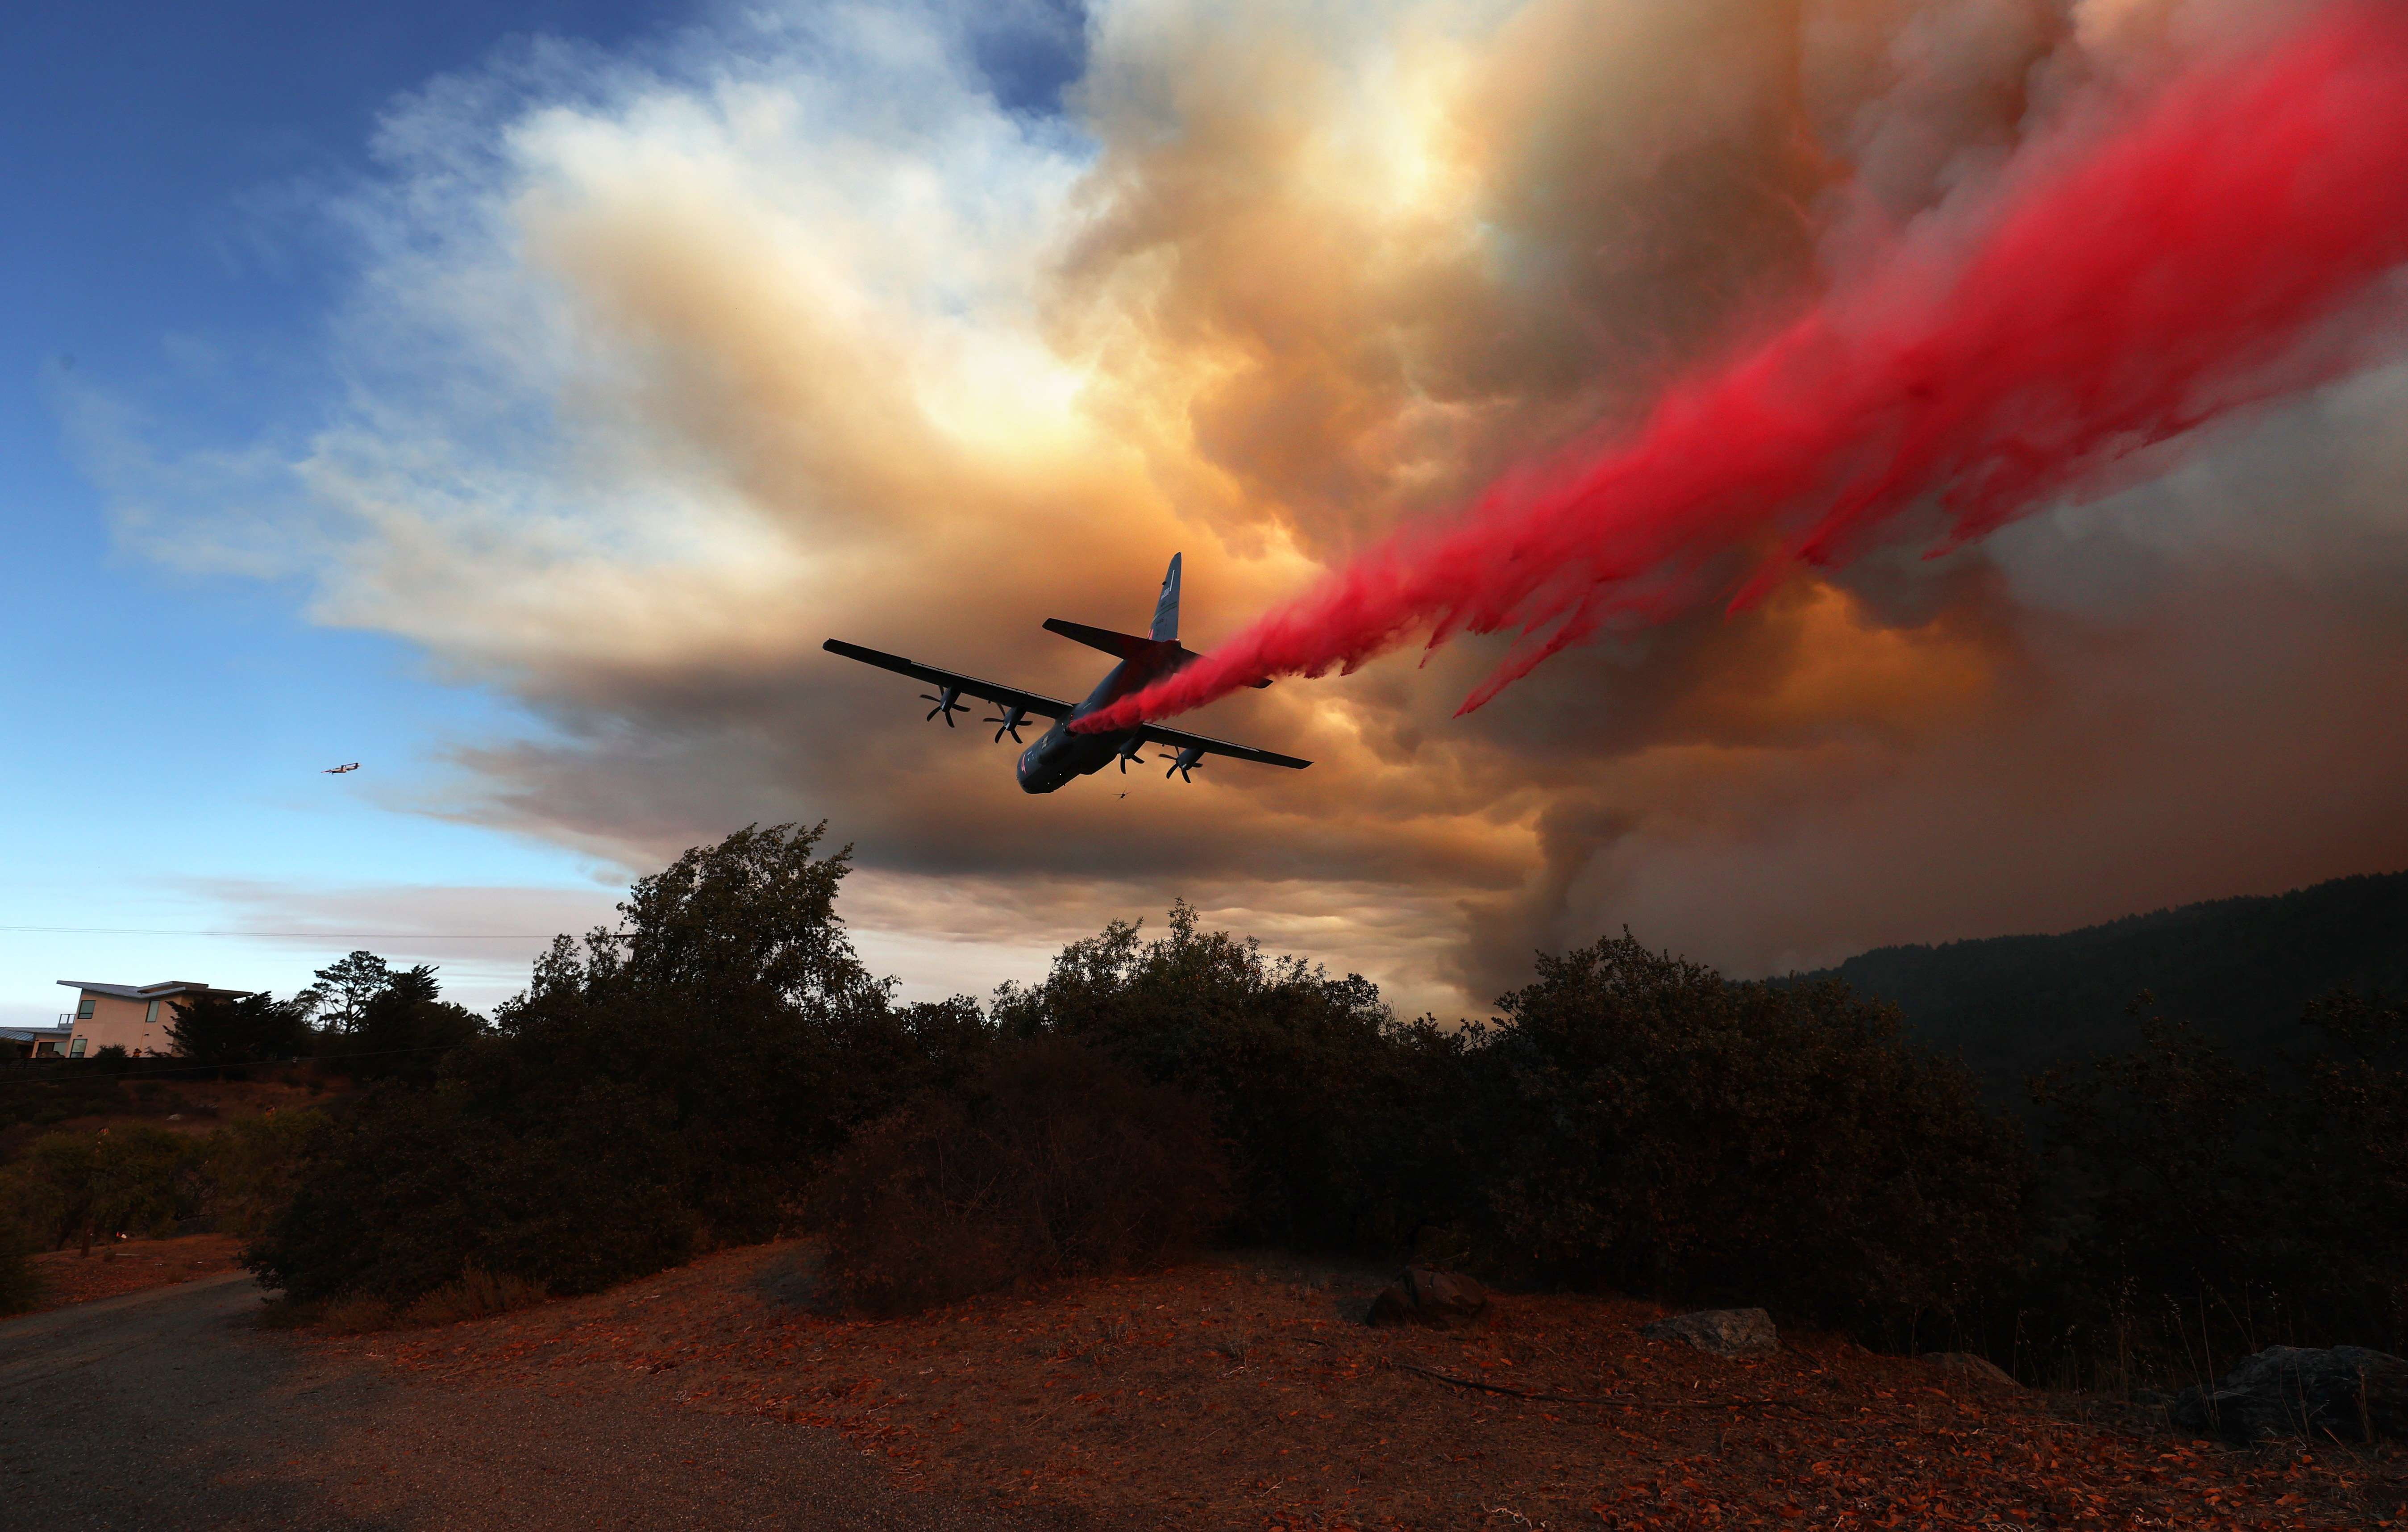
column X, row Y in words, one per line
column 328, row 935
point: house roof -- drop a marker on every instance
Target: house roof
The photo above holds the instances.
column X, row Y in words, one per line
column 34, row 1034
column 147, row 991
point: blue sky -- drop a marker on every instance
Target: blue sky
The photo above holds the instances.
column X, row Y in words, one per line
column 160, row 761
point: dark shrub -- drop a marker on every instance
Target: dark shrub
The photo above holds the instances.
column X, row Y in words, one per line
column 50, row 1091
column 1052, row 1162
column 1339, row 1122
column 1668, row 1132
column 413, row 1186
column 20, row 1288
column 80, row 1187
column 669, row 1086
column 250, row 1168
column 2195, row 1209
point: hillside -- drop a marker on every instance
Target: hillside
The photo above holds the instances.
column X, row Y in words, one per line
column 2238, row 968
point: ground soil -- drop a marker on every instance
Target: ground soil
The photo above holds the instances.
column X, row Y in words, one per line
column 128, row 1266
column 171, row 1410
column 1242, row 1393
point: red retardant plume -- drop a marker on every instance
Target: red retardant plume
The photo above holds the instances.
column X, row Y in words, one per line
column 2120, row 291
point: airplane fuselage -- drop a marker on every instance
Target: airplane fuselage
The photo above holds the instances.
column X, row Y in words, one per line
column 1061, row 756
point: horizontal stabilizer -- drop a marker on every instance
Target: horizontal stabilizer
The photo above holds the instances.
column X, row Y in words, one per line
column 1126, row 646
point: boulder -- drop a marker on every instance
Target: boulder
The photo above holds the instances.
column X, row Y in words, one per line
column 1442, row 1300
column 1720, row 1332
column 2356, row 1394
column 1964, row 1366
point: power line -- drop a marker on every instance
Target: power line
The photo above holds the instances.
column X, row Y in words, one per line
column 315, row 936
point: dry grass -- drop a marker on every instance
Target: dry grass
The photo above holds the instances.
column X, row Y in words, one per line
column 129, row 1266
column 477, row 1294
column 1240, row 1394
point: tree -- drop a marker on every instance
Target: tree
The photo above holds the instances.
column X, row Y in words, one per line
column 757, row 912
column 226, row 1030
column 670, row 1084
column 406, row 1028
column 347, row 985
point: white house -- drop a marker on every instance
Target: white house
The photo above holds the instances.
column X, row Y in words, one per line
column 134, row 1017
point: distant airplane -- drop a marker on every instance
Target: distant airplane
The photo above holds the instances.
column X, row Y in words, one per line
column 1059, row 755
column 337, row 771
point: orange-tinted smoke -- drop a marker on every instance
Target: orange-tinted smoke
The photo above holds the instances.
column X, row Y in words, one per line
column 2118, row 297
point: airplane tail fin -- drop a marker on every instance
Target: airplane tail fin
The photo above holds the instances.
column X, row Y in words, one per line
column 1165, row 607
column 1128, row 646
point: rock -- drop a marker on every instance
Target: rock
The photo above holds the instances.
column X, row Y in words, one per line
column 1721, row 1332
column 1966, row 1367
column 2356, row 1394
column 1443, row 1300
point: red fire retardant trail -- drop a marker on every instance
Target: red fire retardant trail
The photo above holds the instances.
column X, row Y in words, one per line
column 2199, row 259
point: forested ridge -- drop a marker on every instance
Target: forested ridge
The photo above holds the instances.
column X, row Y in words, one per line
column 2238, row 970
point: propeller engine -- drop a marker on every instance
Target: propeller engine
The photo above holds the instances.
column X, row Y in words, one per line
column 1189, row 759
column 948, row 703
column 1129, row 752
column 1009, row 723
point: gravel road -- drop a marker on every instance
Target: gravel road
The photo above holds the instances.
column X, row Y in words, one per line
column 164, row 1409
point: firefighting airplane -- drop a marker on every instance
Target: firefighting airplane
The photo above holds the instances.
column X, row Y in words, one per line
column 1059, row 755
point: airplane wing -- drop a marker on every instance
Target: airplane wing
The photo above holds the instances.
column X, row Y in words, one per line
column 985, row 690
column 1180, row 740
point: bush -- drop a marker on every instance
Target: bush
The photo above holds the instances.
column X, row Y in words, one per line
column 250, row 1168
column 2197, row 1207
column 132, row 1178
column 47, row 1092
column 665, row 1088
column 1656, row 1129
column 1337, row 1120
column 412, row 1186
column 1053, row 1162
column 20, row 1288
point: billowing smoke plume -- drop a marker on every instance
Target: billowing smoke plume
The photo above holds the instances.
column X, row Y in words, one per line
column 2124, row 287
column 659, row 367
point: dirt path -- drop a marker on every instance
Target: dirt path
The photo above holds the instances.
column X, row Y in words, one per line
column 70, row 1277
column 164, row 1411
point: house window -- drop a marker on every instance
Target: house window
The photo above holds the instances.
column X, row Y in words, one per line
column 83, row 1009
column 150, row 1014
column 75, row 1048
